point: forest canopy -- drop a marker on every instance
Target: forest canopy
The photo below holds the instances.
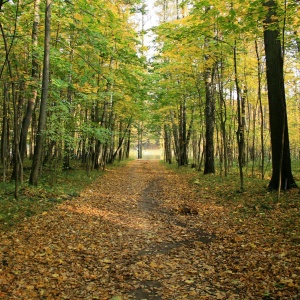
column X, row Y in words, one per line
column 80, row 81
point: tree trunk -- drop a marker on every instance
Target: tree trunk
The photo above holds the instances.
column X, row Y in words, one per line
column 35, row 76
column 127, row 147
column 282, row 177
column 175, row 135
column 241, row 130
column 223, row 118
column 140, row 141
column 15, row 148
column 183, row 143
column 253, row 155
column 37, row 157
column 122, row 136
column 5, row 132
column 168, row 144
column 209, row 166
column 259, row 75
column 67, row 144
column 31, row 102
column 18, row 166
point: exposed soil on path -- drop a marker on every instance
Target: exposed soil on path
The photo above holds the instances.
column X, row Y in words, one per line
column 140, row 232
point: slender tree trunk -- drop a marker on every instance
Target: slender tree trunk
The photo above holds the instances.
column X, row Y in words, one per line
column 240, row 131
column 253, row 147
column 35, row 76
column 223, row 118
column 16, row 154
column 297, row 40
column 183, row 159
column 140, row 140
column 282, row 177
column 111, row 123
column 210, row 103
column 209, row 166
column 5, row 132
column 67, row 144
column 189, row 132
column 121, row 141
column 105, row 123
column 128, row 144
column 31, row 102
column 200, row 145
column 37, row 157
column 175, row 136
column 167, row 144
column 15, row 148
column 259, row 75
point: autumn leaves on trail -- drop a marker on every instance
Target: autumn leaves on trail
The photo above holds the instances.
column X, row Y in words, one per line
column 128, row 237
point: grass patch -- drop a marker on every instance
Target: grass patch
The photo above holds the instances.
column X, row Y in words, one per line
column 255, row 204
column 55, row 186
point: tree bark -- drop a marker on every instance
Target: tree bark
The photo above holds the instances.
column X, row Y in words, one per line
column 7, row 48
column 209, row 166
column 223, row 118
column 183, row 143
column 259, row 88
column 175, row 135
column 167, row 144
column 241, row 130
column 35, row 76
column 5, row 132
column 37, row 156
column 282, row 177
column 31, row 102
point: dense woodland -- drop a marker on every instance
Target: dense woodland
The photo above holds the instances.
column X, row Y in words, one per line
column 218, row 86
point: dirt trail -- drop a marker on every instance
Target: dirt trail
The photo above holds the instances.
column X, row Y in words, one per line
column 122, row 237
column 139, row 232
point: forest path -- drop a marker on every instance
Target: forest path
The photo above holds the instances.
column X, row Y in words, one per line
column 123, row 237
column 139, row 232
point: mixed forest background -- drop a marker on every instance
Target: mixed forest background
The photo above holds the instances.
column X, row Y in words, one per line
column 79, row 84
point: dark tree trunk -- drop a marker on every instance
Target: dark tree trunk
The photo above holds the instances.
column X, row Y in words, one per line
column 5, row 132
column 127, row 147
column 167, row 144
column 175, row 135
column 240, row 134
column 223, row 118
column 35, row 76
column 140, row 141
column 31, row 102
column 122, row 136
column 67, row 146
column 282, row 177
column 37, row 157
column 259, row 76
column 182, row 157
column 209, row 166
column 15, row 148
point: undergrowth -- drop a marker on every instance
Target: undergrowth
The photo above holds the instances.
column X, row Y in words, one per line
column 55, row 186
column 254, row 204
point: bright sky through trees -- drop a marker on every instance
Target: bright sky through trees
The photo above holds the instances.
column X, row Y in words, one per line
column 149, row 20
column 151, row 14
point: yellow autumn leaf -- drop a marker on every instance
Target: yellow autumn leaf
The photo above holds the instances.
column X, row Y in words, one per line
column 153, row 265
column 189, row 281
column 48, row 250
column 80, row 247
column 78, row 16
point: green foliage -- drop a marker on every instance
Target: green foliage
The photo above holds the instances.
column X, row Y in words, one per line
column 100, row 81
column 94, row 131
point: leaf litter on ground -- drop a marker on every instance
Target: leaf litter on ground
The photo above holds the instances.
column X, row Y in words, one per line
column 143, row 231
